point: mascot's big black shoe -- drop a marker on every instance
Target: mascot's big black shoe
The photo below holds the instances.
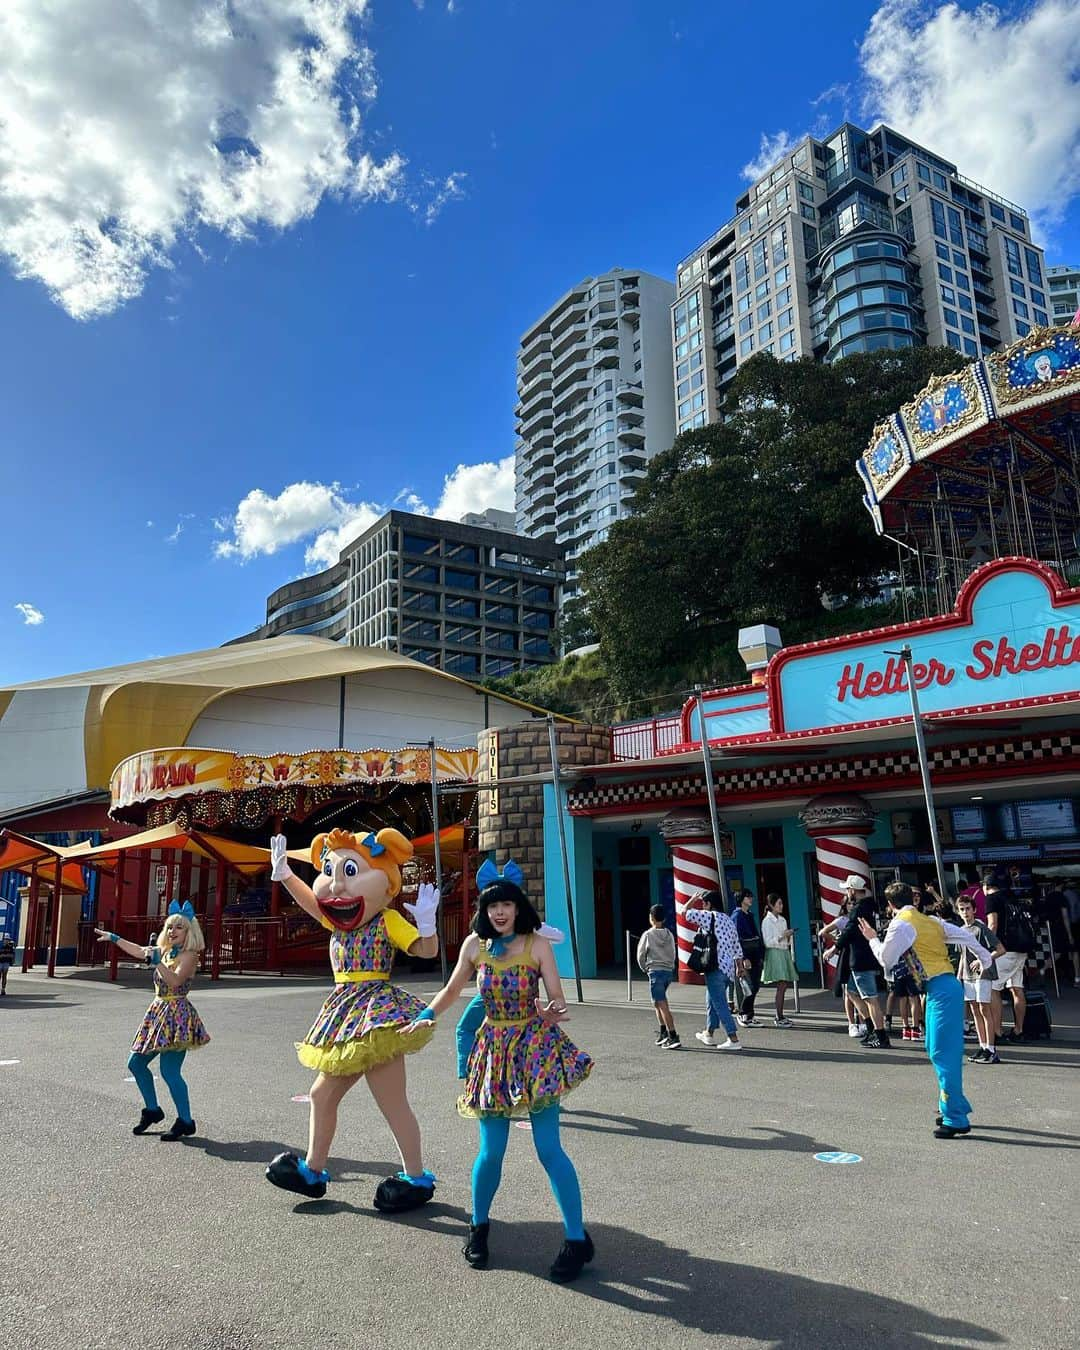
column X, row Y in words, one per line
column 399, row 1193
column 573, row 1255
column 287, row 1171
column 150, row 1116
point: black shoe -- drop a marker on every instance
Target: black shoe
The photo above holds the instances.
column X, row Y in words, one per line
column 285, row 1172
column 475, row 1250
column 673, row 1042
column 395, row 1195
column 877, row 1040
column 178, row 1129
column 944, row 1131
column 148, row 1118
column 662, row 1036
column 573, row 1255
column 980, row 1056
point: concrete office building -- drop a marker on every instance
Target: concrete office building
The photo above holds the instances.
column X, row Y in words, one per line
column 857, row 242
column 1064, row 293
column 594, row 405
column 469, row 599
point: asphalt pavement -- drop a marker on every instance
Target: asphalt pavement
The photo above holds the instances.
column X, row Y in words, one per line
column 714, row 1223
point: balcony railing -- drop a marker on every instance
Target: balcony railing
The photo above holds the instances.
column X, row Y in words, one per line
column 646, row 739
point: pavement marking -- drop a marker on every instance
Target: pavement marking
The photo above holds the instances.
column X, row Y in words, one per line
column 300, row 1097
column 837, row 1157
column 5, row 1062
column 129, row 1079
column 522, row 1125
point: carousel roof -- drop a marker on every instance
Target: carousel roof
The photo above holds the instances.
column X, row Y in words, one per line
column 984, row 462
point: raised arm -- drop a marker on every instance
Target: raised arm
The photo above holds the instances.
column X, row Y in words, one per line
column 280, row 870
column 463, row 972
column 960, row 937
column 899, row 938
column 423, row 912
column 131, row 948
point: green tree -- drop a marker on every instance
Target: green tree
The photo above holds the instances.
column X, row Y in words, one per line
column 754, row 518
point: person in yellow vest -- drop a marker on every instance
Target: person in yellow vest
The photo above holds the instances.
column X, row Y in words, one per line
column 922, row 940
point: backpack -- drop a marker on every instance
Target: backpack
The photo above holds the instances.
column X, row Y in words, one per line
column 703, row 959
column 1019, row 934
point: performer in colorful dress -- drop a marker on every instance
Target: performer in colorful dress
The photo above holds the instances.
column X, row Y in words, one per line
column 356, row 1033
column 171, row 1026
column 521, row 1064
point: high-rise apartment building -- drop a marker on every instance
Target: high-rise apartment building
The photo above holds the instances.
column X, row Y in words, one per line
column 472, row 599
column 594, row 404
column 1064, row 293
column 860, row 241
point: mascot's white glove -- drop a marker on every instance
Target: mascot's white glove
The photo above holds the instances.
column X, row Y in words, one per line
column 554, row 935
column 279, row 861
column 424, row 911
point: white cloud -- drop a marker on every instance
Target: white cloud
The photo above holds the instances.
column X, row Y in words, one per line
column 321, row 514
column 31, row 614
column 770, row 150
column 126, row 128
column 475, row 487
column 997, row 95
column 431, row 202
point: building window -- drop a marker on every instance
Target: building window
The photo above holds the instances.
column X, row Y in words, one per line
column 765, row 332
column 420, row 572
column 1037, row 298
column 1039, row 316
column 545, row 595
column 807, row 212
column 806, row 192
column 786, row 319
column 500, row 613
column 463, row 581
column 1020, row 309
column 968, row 325
column 937, row 212
column 462, row 663
column 422, row 600
column 997, row 213
column 425, row 654
column 970, row 347
column 1017, row 288
column 500, row 641
column 950, row 317
column 964, row 301
column 419, row 543
column 746, row 324
column 466, row 553
column 787, row 341
column 1023, row 329
column 500, row 585
column 948, row 295
column 1012, row 257
column 536, row 618
column 899, row 175
column 1034, row 266
column 420, row 630
column 942, row 251
column 1017, row 223
column 962, row 281
column 923, row 171
column 945, row 273
column 462, row 634
column 764, row 311
column 746, row 346
column 457, row 607
column 953, row 339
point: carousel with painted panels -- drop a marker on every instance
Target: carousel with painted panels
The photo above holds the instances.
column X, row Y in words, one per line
column 982, row 464
column 427, row 792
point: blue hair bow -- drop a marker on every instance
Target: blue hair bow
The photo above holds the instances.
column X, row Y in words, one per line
column 372, row 846
column 184, row 910
column 487, row 874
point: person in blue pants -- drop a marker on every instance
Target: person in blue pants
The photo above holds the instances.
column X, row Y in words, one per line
column 922, row 941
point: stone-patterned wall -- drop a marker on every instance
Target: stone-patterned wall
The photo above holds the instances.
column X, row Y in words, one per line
column 517, row 829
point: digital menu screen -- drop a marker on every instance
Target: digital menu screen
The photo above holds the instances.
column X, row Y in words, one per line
column 1046, row 820
column 969, row 824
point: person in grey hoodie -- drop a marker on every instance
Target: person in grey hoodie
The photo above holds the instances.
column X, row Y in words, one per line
column 656, row 957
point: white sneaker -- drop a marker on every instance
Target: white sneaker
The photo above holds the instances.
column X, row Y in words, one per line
column 740, row 1019
column 783, row 1022
column 854, row 1029
column 730, row 1045
column 705, row 1037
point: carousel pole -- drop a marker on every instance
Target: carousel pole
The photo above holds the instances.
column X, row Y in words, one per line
column 58, row 904
column 438, row 857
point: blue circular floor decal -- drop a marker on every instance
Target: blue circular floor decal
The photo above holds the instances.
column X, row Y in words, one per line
column 837, row 1157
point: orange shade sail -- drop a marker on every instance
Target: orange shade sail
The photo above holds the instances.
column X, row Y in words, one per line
column 243, row 858
column 20, row 853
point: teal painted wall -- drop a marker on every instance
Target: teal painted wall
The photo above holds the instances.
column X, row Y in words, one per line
column 579, row 848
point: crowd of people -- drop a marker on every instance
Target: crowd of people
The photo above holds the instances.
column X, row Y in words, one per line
column 880, row 1004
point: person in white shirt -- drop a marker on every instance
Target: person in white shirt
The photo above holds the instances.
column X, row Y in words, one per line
column 924, row 937
column 779, row 968
column 706, row 910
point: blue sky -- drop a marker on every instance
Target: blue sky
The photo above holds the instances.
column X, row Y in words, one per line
column 343, row 342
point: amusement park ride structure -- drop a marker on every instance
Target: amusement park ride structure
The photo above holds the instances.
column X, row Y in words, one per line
column 982, row 464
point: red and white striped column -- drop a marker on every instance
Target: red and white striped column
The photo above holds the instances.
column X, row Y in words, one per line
column 693, row 857
column 839, row 826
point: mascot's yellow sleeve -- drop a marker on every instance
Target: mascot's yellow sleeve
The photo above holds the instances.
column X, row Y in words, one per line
column 399, row 930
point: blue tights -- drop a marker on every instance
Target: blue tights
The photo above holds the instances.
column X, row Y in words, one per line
column 487, row 1170
column 172, row 1061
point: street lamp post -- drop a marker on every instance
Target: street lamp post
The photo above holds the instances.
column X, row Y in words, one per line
column 905, row 655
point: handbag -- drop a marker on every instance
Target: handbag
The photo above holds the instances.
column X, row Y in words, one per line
column 702, row 959
column 751, row 947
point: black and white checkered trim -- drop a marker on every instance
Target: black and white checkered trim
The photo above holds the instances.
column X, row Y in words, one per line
column 861, row 770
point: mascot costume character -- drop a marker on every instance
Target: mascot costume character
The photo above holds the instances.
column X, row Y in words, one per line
column 356, row 1035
